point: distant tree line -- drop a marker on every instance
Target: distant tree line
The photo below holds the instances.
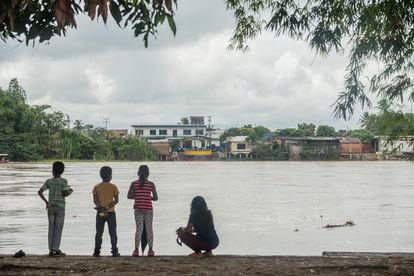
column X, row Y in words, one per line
column 390, row 121
column 34, row 132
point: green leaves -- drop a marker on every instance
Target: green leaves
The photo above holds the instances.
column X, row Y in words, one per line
column 43, row 19
column 376, row 31
column 171, row 23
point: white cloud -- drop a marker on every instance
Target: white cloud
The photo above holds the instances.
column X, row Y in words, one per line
column 99, row 72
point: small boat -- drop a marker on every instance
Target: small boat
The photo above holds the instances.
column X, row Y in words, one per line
column 4, row 158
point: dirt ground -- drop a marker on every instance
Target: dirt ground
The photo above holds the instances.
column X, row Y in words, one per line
column 329, row 264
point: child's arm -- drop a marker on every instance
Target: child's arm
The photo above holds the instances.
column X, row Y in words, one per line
column 40, row 193
column 131, row 191
column 154, row 193
column 68, row 192
column 113, row 203
column 96, row 200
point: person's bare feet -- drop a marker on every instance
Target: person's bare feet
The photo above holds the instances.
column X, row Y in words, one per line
column 208, row 254
column 151, row 253
column 196, row 255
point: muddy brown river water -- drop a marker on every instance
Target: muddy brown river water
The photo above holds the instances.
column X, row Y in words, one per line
column 257, row 206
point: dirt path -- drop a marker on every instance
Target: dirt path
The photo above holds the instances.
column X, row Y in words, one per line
column 218, row 265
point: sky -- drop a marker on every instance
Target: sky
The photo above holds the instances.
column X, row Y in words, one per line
column 100, row 71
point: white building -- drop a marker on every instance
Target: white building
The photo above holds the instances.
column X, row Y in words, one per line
column 215, row 136
column 187, row 136
column 402, row 146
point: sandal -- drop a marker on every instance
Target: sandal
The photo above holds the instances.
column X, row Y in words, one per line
column 151, row 253
column 58, row 253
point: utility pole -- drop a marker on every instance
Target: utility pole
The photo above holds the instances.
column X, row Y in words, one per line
column 68, row 121
column 106, row 122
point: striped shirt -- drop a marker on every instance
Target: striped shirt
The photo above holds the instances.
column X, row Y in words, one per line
column 142, row 195
column 55, row 187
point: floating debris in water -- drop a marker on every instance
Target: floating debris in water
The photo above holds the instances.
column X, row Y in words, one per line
column 348, row 223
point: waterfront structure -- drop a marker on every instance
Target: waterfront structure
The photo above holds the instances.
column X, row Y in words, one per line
column 4, row 158
column 238, row 146
column 310, row 148
column 215, row 134
column 401, row 147
column 162, row 146
column 192, row 136
column 351, row 148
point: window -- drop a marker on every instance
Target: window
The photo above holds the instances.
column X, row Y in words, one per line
column 162, row 132
column 187, row 131
column 241, row 146
column 139, row 132
column 153, row 132
column 199, row 132
column 174, row 133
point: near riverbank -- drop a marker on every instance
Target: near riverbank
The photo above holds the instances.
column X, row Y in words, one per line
column 329, row 264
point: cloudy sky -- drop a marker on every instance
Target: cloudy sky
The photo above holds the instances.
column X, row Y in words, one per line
column 102, row 71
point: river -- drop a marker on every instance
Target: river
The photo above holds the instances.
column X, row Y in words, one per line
column 257, row 206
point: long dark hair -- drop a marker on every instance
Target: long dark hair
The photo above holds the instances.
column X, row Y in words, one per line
column 198, row 204
column 143, row 173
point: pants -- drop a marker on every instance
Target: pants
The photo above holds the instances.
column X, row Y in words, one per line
column 143, row 217
column 56, row 217
column 194, row 242
column 110, row 218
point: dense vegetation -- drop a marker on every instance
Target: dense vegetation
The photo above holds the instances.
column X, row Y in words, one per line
column 34, row 133
column 390, row 122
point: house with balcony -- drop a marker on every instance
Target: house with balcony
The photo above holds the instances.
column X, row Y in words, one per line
column 238, row 146
column 191, row 136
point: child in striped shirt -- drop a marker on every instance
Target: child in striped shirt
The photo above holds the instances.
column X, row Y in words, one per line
column 143, row 192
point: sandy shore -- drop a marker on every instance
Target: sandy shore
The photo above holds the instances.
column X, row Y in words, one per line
column 330, row 264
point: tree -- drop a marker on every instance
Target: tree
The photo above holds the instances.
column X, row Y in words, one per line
column 78, row 125
column 185, row 121
column 288, row 132
column 325, row 131
column 42, row 19
column 365, row 136
column 307, row 129
column 254, row 133
column 369, row 122
column 30, row 133
column 16, row 90
column 381, row 31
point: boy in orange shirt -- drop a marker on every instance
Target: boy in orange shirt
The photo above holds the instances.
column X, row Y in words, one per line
column 105, row 197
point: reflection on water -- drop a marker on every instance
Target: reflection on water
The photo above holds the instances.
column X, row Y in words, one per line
column 257, row 206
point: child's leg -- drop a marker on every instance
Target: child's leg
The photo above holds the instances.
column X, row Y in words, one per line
column 111, row 218
column 148, row 215
column 51, row 218
column 100, row 223
column 192, row 241
column 58, row 227
column 139, row 222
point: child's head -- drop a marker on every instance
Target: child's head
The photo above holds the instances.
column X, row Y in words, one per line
column 58, row 168
column 198, row 204
column 143, row 173
column 106, row 173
